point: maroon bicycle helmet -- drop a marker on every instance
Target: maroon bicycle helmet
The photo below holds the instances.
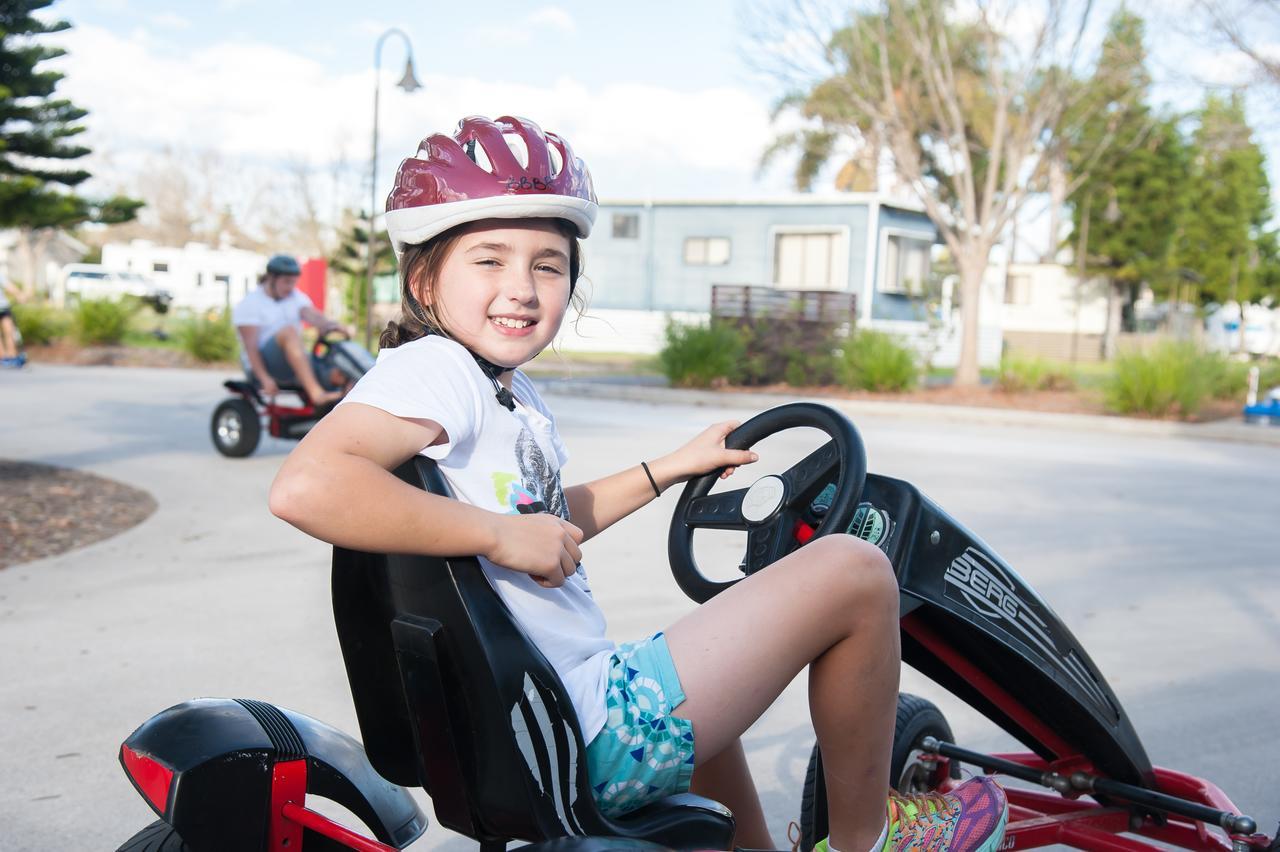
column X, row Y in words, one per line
column 507, row 169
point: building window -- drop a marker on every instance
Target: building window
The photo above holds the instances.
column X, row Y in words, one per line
column 199, row 279
column 159, row 267
column 626, row 226
column 906, row 265
column 706, row 251
column 223, row 279
column 1017, row 290
column 805, row 261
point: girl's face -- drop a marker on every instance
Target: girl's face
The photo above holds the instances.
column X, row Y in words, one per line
column 503, row 290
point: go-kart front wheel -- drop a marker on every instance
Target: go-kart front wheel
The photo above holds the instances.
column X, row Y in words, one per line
column 235, row 428
column 917, row 718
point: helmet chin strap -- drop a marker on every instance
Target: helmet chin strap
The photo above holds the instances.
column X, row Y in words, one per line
column 492, row 370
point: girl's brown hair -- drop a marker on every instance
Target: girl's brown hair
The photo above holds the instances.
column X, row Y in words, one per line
column 421, row 264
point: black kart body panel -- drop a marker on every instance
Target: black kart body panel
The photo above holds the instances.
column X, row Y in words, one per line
column 968, row 597
column 222, row 751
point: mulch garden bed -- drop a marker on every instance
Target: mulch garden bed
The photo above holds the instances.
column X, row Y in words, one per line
column 64, row 352
column 47, row 510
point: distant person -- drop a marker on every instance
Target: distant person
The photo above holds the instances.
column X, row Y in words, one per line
column 269, row 321
column 10, row 357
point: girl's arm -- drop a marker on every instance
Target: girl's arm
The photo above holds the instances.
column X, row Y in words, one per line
column 595, row 506
column 337, row 486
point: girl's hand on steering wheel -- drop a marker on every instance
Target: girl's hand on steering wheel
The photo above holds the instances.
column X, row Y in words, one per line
column 703, row 454
column 542, row 545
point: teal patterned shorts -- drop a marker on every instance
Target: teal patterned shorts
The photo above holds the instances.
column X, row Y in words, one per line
column 643, row 753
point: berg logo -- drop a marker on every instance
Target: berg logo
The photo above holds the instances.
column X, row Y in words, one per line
column 985, row 590
column 989, row 589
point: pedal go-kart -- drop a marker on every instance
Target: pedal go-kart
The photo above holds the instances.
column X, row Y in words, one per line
column 452, row 696
column 236, row 426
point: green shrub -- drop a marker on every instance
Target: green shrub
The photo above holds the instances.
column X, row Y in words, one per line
column 1268, row 375
column 1229, row 379
column 1170, row 378
column 873, row 360
column 699, row 355
column 209, row 339
column 102, row 321
column 39, row 325
column 1019, row 375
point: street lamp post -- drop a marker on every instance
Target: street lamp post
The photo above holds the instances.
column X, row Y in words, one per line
column 408, row 83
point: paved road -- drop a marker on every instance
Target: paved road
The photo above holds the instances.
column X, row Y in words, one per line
column 1160, row 553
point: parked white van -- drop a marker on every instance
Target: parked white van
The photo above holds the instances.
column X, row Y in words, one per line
column 95, row 281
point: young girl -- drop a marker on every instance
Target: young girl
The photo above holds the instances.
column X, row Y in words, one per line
column 486, row 226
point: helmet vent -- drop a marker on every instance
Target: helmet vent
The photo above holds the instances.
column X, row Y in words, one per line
column 518, row 147
column 557, row 159
column 481, row 157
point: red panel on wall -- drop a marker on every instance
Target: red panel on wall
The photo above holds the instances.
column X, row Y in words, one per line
column 312, row 281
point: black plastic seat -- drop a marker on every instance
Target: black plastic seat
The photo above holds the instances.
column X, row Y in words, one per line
column 451, row 694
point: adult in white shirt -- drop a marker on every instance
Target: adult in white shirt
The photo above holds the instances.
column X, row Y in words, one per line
column 269, row 321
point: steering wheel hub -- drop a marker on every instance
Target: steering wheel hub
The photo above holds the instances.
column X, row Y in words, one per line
column 763, row 499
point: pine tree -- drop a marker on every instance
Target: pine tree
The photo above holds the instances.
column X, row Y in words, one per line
column 1134, row 197
column 351, row 259
column 1222, row 234
column 37, row 132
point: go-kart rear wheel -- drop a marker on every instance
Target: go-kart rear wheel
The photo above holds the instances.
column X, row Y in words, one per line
column 157, row 837
column 917, row 718
column 235, row 428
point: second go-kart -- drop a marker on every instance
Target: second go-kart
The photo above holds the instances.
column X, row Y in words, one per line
column 452, row 696
column 236, row 425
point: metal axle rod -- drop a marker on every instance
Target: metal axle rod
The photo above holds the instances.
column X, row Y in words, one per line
column 1083, row 782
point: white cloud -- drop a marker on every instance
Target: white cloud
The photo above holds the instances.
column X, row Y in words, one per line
column 170, row 21
column 553, row 17
column 267, row 105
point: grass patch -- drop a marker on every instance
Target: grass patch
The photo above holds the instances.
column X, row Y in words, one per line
column 1022, row 375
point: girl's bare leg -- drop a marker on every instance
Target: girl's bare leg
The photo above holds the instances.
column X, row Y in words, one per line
column 832, row 606
column 726, row 779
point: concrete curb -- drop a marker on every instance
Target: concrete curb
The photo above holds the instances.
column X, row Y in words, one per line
column 1236, row 431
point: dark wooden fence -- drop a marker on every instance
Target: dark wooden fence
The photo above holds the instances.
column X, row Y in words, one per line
column 748, row 304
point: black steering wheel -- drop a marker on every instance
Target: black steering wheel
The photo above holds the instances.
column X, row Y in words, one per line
column 770, row 509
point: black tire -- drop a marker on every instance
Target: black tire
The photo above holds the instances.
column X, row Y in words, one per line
column 917, row 718
column 235, row 428
column 157, row 837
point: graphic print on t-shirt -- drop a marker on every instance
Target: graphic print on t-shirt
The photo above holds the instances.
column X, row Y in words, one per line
column 536, row 483
column 537, row 473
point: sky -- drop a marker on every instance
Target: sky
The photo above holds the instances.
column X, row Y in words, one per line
column 663, row 99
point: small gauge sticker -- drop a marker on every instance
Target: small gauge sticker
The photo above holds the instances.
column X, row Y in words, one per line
column 871, row 524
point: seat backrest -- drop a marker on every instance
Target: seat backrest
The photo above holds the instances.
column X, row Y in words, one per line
column 451, row 694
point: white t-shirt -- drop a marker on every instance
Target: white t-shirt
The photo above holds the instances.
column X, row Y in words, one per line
column 258, row 308
column 497, row 460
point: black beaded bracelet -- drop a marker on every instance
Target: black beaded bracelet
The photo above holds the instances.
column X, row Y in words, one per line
column 652, row 481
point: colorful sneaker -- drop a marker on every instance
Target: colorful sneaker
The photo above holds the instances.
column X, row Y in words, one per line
column 971, row 818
